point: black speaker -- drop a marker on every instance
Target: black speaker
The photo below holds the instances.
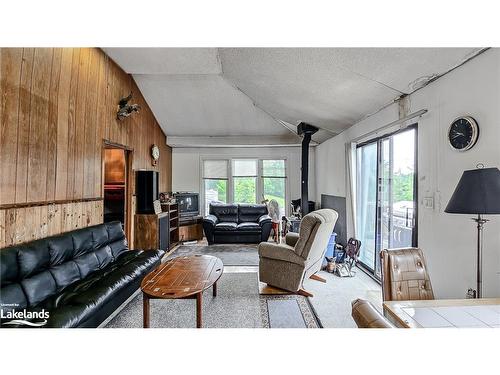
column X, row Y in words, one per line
column 146, row 191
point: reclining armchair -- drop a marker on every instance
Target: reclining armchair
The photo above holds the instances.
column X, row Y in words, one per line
column 286, row 266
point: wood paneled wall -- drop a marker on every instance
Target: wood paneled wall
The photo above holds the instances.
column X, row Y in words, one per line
column 31, row 223
column 57, row 106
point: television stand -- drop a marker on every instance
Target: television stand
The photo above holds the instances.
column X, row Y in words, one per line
column 173, row 216
column 190, row 228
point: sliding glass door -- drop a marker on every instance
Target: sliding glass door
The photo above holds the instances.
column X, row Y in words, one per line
column 366, row 201
column 386, row 195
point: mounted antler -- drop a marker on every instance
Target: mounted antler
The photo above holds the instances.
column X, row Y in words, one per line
column 124, row 109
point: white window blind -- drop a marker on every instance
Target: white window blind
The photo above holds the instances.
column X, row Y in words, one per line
column 273, row 168
column 245, row 168
column 215, row 169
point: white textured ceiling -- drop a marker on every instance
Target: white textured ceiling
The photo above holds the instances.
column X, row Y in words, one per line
column 204, row 105
column 166, row 60
column 249, row 91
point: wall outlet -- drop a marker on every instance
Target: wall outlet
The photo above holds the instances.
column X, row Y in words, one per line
column 428, row 202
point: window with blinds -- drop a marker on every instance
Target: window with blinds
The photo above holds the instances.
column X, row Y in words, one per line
column 274, row 182
column 244, row 181
column 215, row 181
column 244, row 173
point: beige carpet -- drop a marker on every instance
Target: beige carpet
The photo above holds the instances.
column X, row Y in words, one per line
column 332, row 301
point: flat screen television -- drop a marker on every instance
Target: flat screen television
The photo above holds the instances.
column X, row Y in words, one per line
column 188, row 204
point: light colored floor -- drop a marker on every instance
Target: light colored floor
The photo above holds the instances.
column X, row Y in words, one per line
column 332, row 300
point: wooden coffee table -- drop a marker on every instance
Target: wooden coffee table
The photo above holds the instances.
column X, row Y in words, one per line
column 182, row 277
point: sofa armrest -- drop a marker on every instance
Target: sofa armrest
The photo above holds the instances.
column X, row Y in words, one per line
column 264, row 219
column 265, row 226
column 211, row 219
column 291, row 238
column 209, row 223
column 281, row 252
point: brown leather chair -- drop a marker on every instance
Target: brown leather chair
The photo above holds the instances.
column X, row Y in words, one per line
column 366, row 315
column 404, row 275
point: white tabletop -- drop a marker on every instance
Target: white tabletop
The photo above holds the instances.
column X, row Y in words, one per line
column 479, row 313
column 456, row 316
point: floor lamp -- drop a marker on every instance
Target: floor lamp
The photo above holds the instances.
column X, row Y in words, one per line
column 477, row 193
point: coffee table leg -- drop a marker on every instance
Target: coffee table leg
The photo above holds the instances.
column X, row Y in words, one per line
column 145, row 311
column 198, row 310
column 214, row 289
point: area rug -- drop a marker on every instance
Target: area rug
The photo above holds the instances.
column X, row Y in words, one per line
column 237, row 305
column 230, row 254
column 287, row 311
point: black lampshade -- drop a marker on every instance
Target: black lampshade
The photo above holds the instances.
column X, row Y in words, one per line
column 477, row 192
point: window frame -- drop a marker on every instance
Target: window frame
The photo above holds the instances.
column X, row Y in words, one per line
column 230, row 179
column 203, row 179
column 235, row 176
column 372, row 270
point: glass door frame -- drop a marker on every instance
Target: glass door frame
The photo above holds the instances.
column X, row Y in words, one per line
column 372, row 269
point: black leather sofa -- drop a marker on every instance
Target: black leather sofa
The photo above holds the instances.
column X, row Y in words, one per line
column 79, row 277
column 237, row 223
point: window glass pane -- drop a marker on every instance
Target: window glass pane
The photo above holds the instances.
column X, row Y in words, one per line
column 245, row 189
column 273, row 168
column 215, row 191
column 366, row 201
column 403, row 173
column 216, row 169
column 244, row 168
column 274, row 189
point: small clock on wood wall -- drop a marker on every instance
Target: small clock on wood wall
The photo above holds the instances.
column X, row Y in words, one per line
column 463, row 133
column 155, row 154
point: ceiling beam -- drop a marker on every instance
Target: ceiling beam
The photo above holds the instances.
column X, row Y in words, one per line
column 236, row 141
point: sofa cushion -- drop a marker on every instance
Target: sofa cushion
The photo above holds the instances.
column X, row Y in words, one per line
column 225, row 212
column 33, row 257
column 12, row 297
column 61, row 249
column 224, row 226
column 9, row 267
column 116, row 238
column 65, row 274
column 250, row 227
column 83, row 241
column 39, row 287
column 251, row 212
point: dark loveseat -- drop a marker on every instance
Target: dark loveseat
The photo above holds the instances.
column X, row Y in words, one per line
column 79, row 277
column 237, row 223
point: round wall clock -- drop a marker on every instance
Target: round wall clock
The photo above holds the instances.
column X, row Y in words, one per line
column 463, row 133
column 155, row 153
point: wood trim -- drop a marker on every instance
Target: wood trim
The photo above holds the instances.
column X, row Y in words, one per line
column 129, row 187
column 110, row 144
column 129, row 183
column 47, row 203
column 317, row 278
column 305, row 293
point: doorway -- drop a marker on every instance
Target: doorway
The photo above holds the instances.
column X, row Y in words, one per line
column 386, row 195
column 116, row 177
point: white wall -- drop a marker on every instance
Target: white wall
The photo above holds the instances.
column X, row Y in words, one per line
column 186, row 165
column 448, row 240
